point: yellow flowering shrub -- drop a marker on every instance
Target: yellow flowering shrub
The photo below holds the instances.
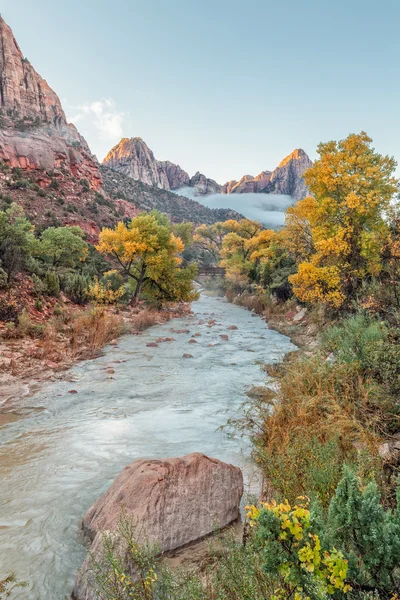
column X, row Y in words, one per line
column 291, row 547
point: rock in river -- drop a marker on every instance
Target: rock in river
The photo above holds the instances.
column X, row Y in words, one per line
column 173, row 502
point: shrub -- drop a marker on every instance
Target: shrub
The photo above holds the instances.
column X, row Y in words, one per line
column 39, row 286
column 41, row 193
column 368, row 534
column 85, row 185
column 8, row 310
column 290, row 546
column 52, row 283
column 76, row 287
column 3, row 279
column 38, row 305
column 370, row 345
column 54, row 184
column 109, row 290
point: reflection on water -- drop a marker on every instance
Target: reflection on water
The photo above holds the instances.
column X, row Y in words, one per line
column 57, row 461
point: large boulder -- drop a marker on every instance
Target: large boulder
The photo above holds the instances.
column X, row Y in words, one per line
column 171, row 502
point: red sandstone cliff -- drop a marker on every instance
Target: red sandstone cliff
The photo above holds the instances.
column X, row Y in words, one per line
column 34, row 133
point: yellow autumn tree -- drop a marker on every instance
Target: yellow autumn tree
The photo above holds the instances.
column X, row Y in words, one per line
column 352, row 185
column 209, row 238
column 237, row 249
column 148, row 253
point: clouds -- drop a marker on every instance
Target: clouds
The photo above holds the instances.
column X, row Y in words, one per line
column 269, row 209
column 100, row 122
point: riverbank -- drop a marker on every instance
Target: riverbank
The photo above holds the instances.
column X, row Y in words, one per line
column 142, row 398
column 43, row 350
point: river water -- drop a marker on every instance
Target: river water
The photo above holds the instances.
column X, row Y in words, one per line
column 55, row 462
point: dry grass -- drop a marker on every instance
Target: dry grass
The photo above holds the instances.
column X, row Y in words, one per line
column 321, row 416
column 95, row 328
column 145, row 319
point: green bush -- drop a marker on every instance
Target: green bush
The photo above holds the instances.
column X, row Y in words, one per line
column 38, row 305
column 76, row 287
column 355, row 339
column 368, row 535
column 371, row 345
column 39, row 287
column 52, row 283
column 3, row 279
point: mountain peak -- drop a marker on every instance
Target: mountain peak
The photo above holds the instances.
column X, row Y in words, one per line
column 298, row 154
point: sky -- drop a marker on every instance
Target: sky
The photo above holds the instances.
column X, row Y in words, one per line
column 226, row 87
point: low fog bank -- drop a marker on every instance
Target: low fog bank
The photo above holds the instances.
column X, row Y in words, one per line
column 269, row 209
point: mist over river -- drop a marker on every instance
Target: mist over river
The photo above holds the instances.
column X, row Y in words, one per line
column 58, row 460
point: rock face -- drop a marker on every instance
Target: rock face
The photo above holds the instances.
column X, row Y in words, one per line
column 286, row 179
column 177, row 177
column 203, row 186
column 174, row 502
column 133, row 158
column 34, row 133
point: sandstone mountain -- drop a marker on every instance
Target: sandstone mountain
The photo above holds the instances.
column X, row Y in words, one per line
column 133, row 158
column 47, row 168
column 286, row 179
column 34, row 131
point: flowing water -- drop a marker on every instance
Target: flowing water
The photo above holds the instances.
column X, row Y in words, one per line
column 58, row 460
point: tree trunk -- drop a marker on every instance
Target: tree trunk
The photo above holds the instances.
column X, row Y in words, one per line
column 139, row 285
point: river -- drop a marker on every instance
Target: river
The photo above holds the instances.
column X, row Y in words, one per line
column 57, row 460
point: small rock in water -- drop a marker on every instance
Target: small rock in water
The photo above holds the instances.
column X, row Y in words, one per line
column 72, row 391
column 152, row 345
column 224, row 337
column 232, row 327
column 192, row 341
column 110, row 371
column 187, row 356
column 197, row 334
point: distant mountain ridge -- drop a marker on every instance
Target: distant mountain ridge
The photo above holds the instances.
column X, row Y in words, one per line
column 47, row 168
column 133, row 158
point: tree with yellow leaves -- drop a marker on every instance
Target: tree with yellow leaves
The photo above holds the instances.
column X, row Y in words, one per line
column 209, row 238
column 147, row 252
column 237, row 249
column 353, row 186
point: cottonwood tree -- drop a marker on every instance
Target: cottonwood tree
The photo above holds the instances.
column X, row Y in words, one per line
column 148, row 253
column 353, row 186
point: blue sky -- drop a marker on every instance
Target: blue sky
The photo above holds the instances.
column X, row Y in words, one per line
column 227, row 87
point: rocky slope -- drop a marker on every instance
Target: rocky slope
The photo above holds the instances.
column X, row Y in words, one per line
column 133, row 158
column 34, row 133
column 121, row 187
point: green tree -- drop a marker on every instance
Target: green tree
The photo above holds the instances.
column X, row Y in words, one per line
column 62, row 246
column 16, row 241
